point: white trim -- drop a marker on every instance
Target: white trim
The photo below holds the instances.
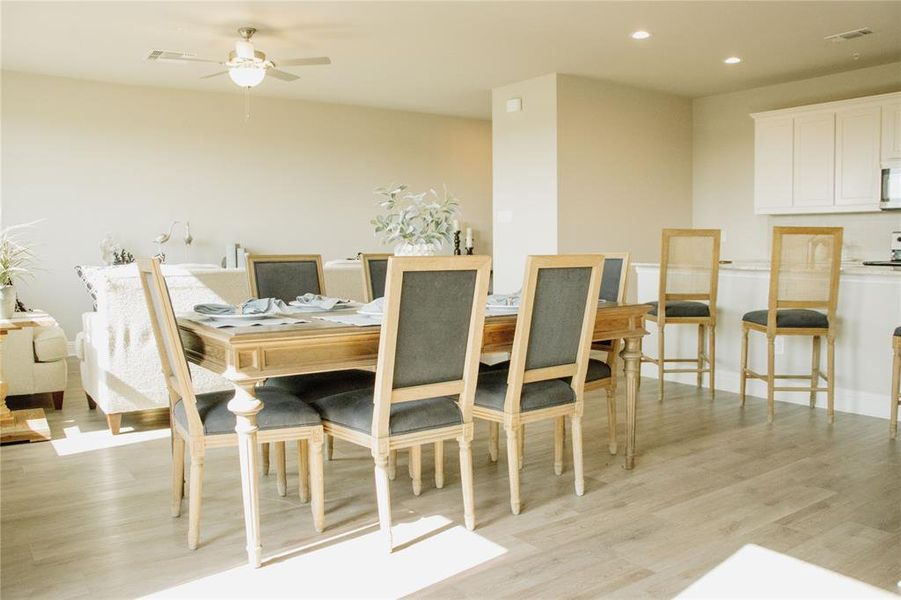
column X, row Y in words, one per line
column 827, row 106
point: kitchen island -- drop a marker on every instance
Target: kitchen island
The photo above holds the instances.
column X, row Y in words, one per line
column 869, row 309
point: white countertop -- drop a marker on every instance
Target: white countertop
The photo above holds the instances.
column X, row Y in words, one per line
column 848, row 268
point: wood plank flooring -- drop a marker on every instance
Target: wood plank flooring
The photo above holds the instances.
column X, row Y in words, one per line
column 710, row 478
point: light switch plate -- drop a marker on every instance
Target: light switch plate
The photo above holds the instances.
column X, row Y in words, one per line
column 514, row 105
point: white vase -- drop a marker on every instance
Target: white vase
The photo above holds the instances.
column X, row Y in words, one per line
column 407, row 249
column 7, row 301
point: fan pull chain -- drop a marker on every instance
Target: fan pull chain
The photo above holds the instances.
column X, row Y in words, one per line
column 246, row 104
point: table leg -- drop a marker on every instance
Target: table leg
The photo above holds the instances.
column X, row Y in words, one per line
column 245, row 406
column 631, row 356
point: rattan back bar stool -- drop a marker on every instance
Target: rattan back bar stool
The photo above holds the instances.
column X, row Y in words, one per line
column 804, row 276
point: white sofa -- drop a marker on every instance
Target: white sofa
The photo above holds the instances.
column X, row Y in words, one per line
column 34, row 360
column 120, row 367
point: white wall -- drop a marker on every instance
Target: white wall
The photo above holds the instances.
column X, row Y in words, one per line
column 723, row 168
column 524, row 159
column 91, row 158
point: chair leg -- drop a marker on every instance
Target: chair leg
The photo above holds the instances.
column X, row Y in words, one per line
column 815, row 369
column 743, row 372
column 493, row 428
column 416, row 468
column 700, row 355
column 383, row 496
column 576, row 423
column 114, row 422
column 178, row 473
column 559, row 432
column 521, row 443
column 641, row 353
column 264, row 449
column 303, row 470
column 830, row 373
column 195, row 491
column 660, row 362
column 439, row 464
column 57, row 400
column 611, row 421
column 281, row 471
column 469, row 517
column 513, row 467
column 329, row 447
column 711, row 358
column 770, row 378
column 91, row 404
column 317, row 484
column 392, row 464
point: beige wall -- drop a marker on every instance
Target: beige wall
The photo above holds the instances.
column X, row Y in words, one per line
column 624, row 163
column 723, row 178
column 525, row 177
column 91, row 158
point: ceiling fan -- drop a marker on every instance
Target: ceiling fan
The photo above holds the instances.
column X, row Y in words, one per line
column 246, row 66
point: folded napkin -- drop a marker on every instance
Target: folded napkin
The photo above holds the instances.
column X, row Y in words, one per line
column 215, row 309
column 376, row 307
column 318, row 302
column 254, row 306
column 504, row 299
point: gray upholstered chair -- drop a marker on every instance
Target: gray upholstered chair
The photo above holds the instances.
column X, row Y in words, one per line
column 426, row 372
column 204, row 421
column 549, row 362
column 285, row 276
column 804, row 275
column 375, row 269
column 896, row 383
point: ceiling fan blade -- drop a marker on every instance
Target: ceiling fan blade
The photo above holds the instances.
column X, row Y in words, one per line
column 303, row 62
column 283, row 75
column 169, row 56
column 211, row 75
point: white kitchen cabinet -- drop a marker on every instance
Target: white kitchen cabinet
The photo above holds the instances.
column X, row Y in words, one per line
column 773, row 167
column 857, row 148
column 814, row 179
column 891, row 131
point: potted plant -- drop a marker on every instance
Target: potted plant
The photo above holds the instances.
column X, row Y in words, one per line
column 16, row 259
column 415, row 224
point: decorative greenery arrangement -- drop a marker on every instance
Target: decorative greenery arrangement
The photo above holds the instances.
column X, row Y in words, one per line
column 424, row 219
column 16, row 256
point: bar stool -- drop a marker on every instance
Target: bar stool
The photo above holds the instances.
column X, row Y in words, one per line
column 804, row 275
column 689, row 272
column 896, row 383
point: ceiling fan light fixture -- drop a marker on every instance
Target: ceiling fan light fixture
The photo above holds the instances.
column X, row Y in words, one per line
column 247, row 75
column 244, row 49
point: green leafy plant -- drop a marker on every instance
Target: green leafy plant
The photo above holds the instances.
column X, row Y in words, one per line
column 424, row 218
column 16, row 256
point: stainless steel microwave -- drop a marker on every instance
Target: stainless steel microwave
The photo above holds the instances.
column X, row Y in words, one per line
column 891, row 189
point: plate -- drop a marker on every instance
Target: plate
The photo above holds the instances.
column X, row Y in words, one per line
column 370, row 313
column 256, row 317
column 502, row 307
column 311, row 309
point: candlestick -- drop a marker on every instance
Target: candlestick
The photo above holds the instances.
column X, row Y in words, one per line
column 469, row 237
column 457, row 243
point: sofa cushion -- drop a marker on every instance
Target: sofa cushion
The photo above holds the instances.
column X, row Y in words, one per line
column 790, row 318
column 49, row 344
column 684, row 308
column 354, row 411
column 280, row 409
column 491, row 392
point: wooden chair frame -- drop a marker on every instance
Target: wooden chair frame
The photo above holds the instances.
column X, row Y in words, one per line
column 178, row 381
column 380, row 441
column 705, row 361
column 252, row 259
column 365, row 259
column 511, row 417
column 771, row 330
column 896, row 386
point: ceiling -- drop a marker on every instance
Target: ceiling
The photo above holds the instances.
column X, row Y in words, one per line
column 444, row 57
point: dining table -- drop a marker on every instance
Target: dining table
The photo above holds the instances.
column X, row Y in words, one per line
column 248, row 355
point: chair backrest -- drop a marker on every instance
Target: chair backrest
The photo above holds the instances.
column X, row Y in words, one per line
column 431, row 336
column 168, row 342
column 375, row 270
column 614, row 277
column 689, row 267
column 805, row 269
column 285, row 276
column 555, row 323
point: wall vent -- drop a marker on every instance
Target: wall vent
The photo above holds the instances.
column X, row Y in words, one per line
column 849, row 35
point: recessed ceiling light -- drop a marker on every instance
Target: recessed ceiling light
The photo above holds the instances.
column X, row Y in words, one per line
column 640, row 35
column 732, row 60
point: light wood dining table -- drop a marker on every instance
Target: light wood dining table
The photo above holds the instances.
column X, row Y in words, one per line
column 247, row 356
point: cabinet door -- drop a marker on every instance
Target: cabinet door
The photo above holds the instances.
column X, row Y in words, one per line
column 857, row 181
column 814, row 184
column 773, row 164
column 891, row 130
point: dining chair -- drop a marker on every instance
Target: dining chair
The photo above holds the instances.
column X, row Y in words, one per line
column 804, row 275
column 549, row 361
column 689, row 274
column 287, row 276
column 375, row 269
column 896, row 383
column 426, row 372
column 203, row 421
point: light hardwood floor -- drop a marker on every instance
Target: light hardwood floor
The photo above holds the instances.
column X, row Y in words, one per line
column 710, row 478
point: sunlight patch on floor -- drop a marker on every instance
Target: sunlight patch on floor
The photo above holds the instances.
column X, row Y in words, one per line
column 78, row 441
column 427, row 551
column 757, row 572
